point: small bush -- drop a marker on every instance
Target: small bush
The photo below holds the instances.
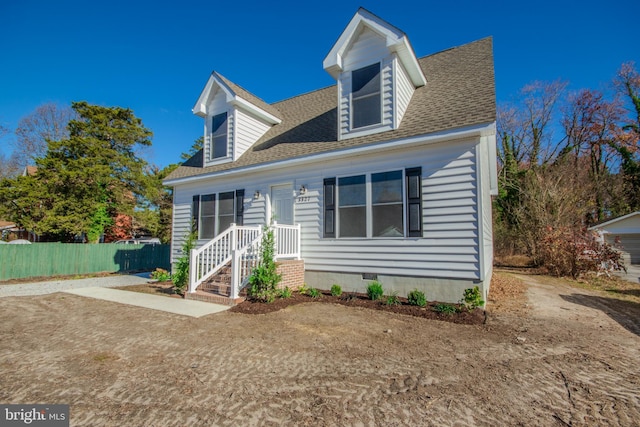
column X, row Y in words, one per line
column 472, row 298
column 392, row 299
column 304, row 289
column 264, row 279
column 445, row 308
column 180, row 278
column 375, row 291
column 417, row 297
column 160, row 274
column 566, row 251
column 284, row 292
column 314, row 293
column 336, row 290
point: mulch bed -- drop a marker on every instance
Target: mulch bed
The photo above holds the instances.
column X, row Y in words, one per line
column 462, row 316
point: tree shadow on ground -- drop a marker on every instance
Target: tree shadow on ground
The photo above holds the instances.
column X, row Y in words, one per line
column 632, row 292
column 626, row 313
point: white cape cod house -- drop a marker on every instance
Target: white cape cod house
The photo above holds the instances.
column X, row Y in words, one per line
column 386, row 175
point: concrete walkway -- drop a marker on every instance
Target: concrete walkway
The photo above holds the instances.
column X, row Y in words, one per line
column 154, row 302
column 98, row 287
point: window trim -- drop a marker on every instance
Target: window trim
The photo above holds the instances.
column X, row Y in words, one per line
column 331, row 211
column 379, row 93
column 214, row 135
column 196, row 211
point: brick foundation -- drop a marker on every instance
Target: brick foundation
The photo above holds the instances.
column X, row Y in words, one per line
column 292, row 272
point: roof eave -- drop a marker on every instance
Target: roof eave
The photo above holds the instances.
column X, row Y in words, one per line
column 478, row 130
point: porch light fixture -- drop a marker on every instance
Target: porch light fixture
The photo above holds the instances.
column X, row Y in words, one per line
column 303, row 189
column 256, row 195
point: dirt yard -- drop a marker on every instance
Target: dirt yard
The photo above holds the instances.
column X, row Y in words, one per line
column 547, row 355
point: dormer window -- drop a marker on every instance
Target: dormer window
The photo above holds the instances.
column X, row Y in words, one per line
column 245, row 120
column 219, row 136
column 372, row 98
column 366, row 96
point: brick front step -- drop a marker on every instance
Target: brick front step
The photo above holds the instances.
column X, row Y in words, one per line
column 205, row 296
column 216, row 288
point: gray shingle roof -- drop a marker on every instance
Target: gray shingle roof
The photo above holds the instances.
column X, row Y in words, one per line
column 460, row 92
column 243, row 93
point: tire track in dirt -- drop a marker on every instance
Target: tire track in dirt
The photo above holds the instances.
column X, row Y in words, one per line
column 316, row 365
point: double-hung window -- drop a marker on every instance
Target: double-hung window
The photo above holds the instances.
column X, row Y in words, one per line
column 387, row 219
column 214, row 213
column 366, row 96
column 219, row 136
column 352, row 206
column 376, row 205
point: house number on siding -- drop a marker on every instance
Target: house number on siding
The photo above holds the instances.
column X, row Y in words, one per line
column 303, row 199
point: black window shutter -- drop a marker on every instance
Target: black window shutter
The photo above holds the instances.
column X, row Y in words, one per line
column 414, row 202
column 329, row 207
column 195, row 212
column 239, row 207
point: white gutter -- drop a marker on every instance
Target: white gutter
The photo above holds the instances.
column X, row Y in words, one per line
column 484, row 129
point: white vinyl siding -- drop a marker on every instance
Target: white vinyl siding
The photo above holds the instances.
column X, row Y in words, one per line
column 449, row 246
column 403, row 91
column 368, row 48
column 181, row 225
column 247, row 130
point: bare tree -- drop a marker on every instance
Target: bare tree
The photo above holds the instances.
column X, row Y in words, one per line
column 525, row 128
column 48, row 122
column 628, row 83
column 552, row 196
column 8, row 165
column 592, row 128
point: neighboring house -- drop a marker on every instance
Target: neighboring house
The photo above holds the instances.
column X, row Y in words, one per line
column 6, row 227
column 623, row 232
column 389, row 173
column 30, row 171
column 10, row 231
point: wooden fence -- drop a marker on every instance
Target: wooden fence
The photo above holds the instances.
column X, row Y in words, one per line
column 51, row 259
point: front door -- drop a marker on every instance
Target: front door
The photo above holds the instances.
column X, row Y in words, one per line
column 282, row 203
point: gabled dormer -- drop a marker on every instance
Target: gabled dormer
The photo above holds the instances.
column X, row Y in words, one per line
column 234, row 120
column 377, row 73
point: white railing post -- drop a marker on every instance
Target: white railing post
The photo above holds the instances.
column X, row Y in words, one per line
column 234, row 237
column 274, row 228
column 193, row 269
column 298, row 242
column 235, row 274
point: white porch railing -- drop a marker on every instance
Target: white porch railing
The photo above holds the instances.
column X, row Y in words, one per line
column 207, row 260
column 241, row 246
column 287, row 240
column 244, row 261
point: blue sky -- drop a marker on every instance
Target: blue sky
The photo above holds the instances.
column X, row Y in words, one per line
column 155, row 57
